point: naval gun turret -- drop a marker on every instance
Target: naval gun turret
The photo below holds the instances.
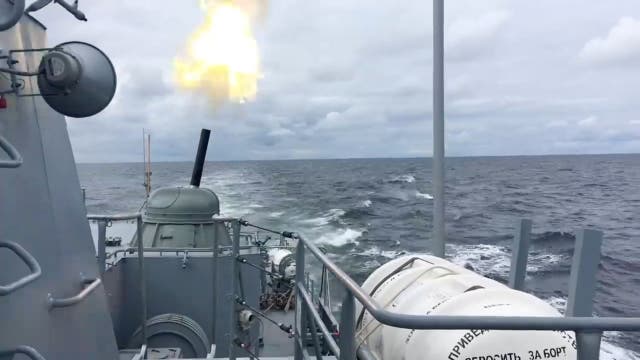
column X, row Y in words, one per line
column 182, row 217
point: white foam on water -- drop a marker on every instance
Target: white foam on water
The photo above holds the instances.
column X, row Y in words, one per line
column 407, row 178
column 366, row 203
column 234, row 210
column 424, row 195
column 608, row 349
column 376, row 251
column 326, row 218
column 494, row 259
column 485, row 258
column 256, row 206
column 559, row 303
column 276, row 214
column 539, row 262
column 340, row 237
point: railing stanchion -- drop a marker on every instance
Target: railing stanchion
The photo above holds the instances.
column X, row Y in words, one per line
column 102, row 246
column 214, row 292
column 582, row 287
column 300, row 331
column 314, row 333
column 588, row 344
column 348, row 328
column 582, row 280
column 143, row 282
column 520, row 254
column 235, row 252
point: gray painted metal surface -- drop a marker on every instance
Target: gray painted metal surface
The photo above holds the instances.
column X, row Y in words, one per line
column 439, row 229
column 582, row 288
column 582, row 280
column 29, row 260
column 300, row 310
column 102, row 245
column 92, row 284
column 520, row 254
column 15, row 159
column 172, row 288
column 10, row 13
column 182, row 205
column 348, row 327
column 142, row 284
column 41, row 209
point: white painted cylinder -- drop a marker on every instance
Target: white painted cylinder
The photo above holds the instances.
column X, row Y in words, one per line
column 282, row 262
column 433, row 286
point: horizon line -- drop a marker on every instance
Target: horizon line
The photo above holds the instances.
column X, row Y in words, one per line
column 356, row 158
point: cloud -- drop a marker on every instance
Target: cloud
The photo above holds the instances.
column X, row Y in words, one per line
column 620, row 46
column 347, row 78
column 473, row 34
column 588, row 121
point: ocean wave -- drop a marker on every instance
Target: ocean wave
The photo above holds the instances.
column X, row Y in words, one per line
column 276, row 214
column 495, row 261
column 333, row 215
column 376, row 251
column 235, row 210
column 553, row 237
column 256, row 206
column 340, row 237
column 539, row 263
column 424, row 195
column 608, row 349
column 487, row 260
column 366, row 203
column 407, row 178
column 356, row 214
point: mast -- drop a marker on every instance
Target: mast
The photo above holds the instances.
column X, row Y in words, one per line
column 438, row 240
column 146, row 150
column 148, row 164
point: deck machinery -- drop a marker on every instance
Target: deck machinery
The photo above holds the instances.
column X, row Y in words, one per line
column 194, row 284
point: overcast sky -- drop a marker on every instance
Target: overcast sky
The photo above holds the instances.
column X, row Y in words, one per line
column 348, row 78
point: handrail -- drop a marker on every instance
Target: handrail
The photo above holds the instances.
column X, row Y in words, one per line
column 30, row 352
column 132, row 250
column 64, row 302
column 28, row 259
column 331, row 343
column 142, row 354
column 113, row 217
column 12, row 18
column 15, row 159
column 453, row 322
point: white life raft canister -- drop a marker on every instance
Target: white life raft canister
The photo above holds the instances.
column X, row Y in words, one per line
column 428, row 285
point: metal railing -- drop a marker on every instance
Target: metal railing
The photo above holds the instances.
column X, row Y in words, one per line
column 29, row 260
column 140, row 250
column 15, row 159
column 64, row 302
column 578, row 318
column 582, row 284
column 102, row 233
column 28, row 351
